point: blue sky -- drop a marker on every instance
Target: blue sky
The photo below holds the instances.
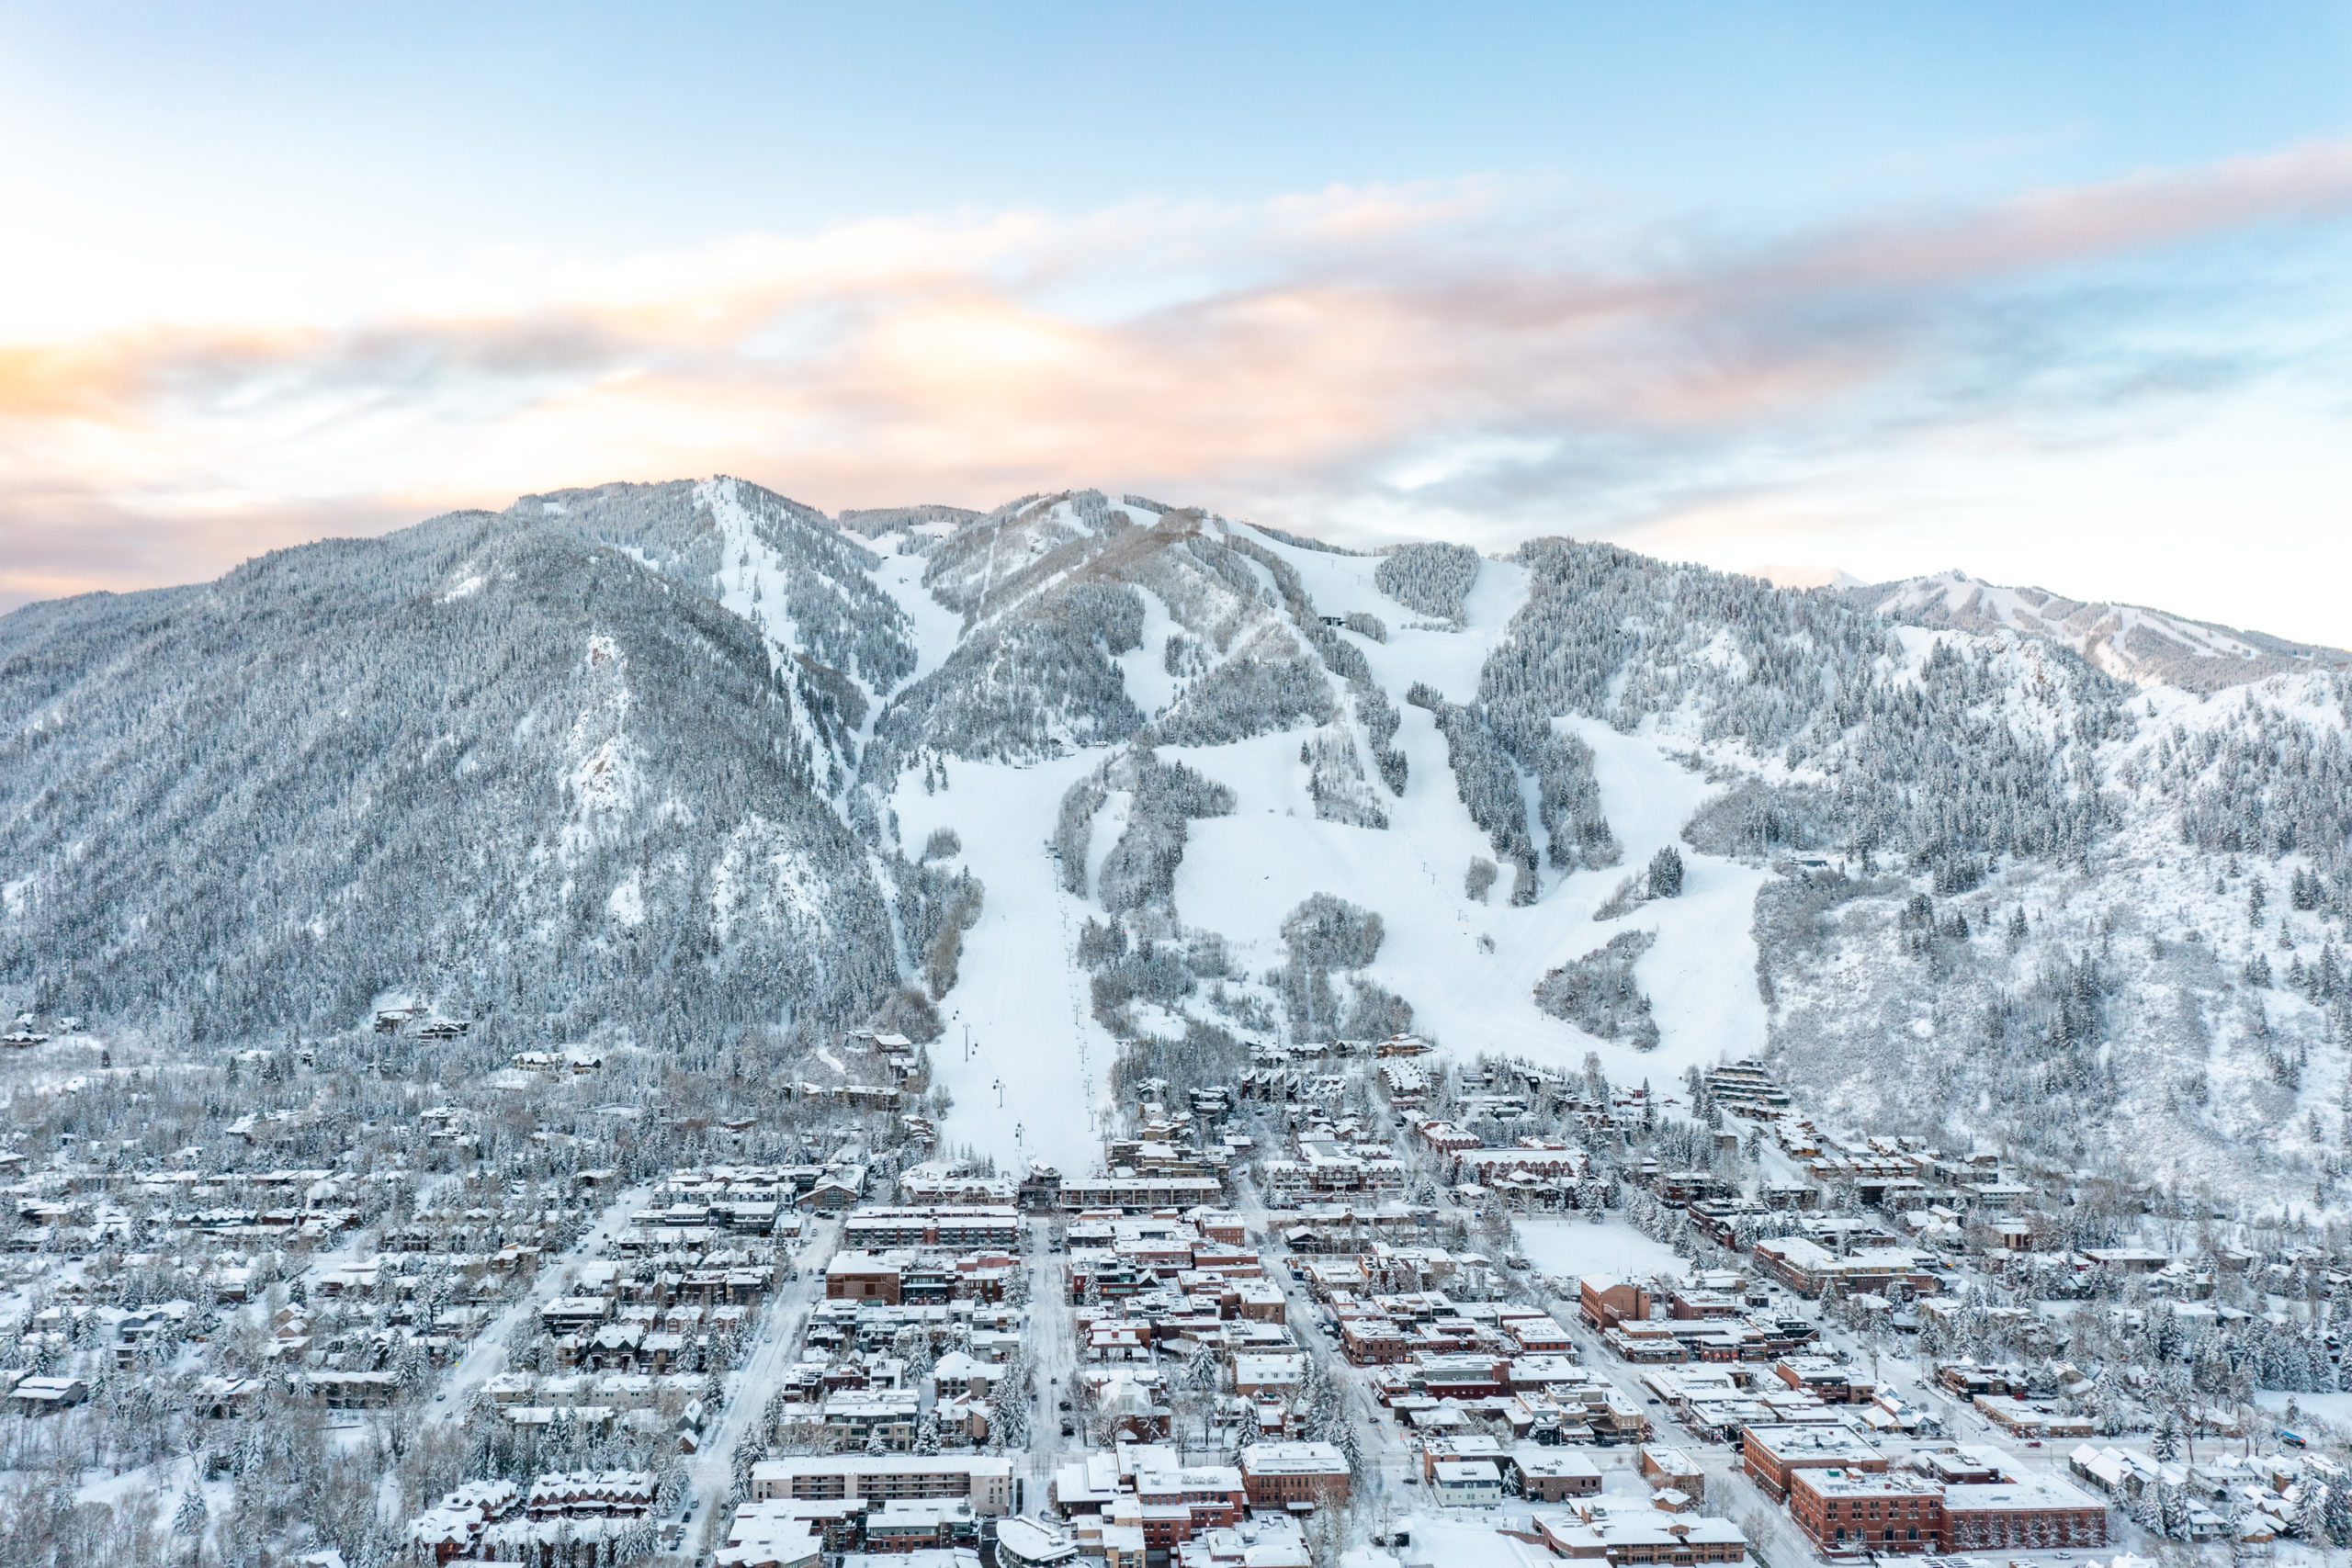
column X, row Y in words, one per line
column 2058, row 294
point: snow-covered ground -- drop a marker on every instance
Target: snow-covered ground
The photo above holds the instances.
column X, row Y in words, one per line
column 1455, row 1539
column 2204, row 1075
column 1573, row 1248
column 1037, row 1082
column 1469, row 969
column 2319, row 1409
column 1243, row 873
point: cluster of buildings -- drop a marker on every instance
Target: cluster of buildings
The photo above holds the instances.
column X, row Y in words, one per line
column 1849, row 1496
column 568, row 1519
column 1139, row 1504
column 809, row 1508
column 2253, row 1498
column 671, row 1291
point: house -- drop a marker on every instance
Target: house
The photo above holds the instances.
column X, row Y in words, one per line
column 1024, row 1542
column 920, row 1524
column 454, row 1526
column 769, row 1535
column 830, row 1196
column 40, row 1395
column 1553, row 1474
column 1467, row 1483
column 1623, row 1537
column 1663, row 1466
column 1259, row 1373
column 347, row 1391
column 582, row 1494
column 218, row 1398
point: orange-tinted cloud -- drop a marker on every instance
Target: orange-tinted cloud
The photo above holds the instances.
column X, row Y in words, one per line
column 1302, row 351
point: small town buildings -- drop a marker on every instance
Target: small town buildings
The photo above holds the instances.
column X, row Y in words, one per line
column 985, row 1482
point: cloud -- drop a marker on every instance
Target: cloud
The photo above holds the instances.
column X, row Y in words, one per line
column 1484, row 357
column 2062, row 227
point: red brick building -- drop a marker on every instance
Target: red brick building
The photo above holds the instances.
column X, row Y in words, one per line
column 1858, row 1510
column 866, row 1277
column 1275, row 1476
column 1606, row 1303
column 1173, row 1505
column 1845, row 1511
column 2021, row 1517
column 1774, row 1455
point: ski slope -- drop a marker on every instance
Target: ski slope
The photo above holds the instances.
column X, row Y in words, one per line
column 1034, row 1083
column 1034, row 1086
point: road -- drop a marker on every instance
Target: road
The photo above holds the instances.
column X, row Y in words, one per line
column 1394, row 1466
column 775, row 1342
column 1049, row 1335
column 485, row 1356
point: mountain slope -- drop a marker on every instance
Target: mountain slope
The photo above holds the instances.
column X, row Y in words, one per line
column 482, row 761
column 692, row 762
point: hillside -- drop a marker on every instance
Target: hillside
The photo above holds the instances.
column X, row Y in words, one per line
column 484, row 762
column 693, row 763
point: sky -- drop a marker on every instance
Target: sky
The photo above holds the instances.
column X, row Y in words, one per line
column 2058, row 295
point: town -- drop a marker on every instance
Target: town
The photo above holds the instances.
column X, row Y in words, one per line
column 1365, row 1302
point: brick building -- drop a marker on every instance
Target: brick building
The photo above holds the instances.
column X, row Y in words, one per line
column 1774, row 1455
column 1276, row 1475
column 2021, row 1515
column 855, row 1276
column 1605, row 1302
column 1847, row 1511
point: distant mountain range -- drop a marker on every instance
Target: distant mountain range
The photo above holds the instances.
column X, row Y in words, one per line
column 2126, row 640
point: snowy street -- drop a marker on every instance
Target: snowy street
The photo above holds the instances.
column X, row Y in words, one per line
column 485, row 1357
column 775, row 1341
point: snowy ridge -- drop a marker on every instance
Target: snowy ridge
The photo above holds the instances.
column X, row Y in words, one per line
column 2128, row 641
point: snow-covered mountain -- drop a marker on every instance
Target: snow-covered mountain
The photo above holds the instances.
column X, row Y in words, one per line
column 1121, row 787
column 2129, row 641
